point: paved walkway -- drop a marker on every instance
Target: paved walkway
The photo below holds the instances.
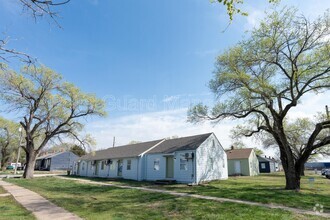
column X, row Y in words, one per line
column 39, row 206
column 4, row 194
column 217, row 199
column 35, row 175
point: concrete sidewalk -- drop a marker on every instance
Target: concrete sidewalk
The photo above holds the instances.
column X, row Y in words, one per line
column 216, row 199
column 39, row 206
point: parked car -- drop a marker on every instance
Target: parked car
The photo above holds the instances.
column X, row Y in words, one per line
column 323, row 171
column 327, row 174
column 10, row 167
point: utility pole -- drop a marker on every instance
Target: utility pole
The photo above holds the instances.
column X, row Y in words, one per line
column 114, row 141
column 19, row 148
column 327, row 111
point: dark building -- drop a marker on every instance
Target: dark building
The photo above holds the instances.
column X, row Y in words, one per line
column 56, row 161
column 267, row 165
column 317, row 165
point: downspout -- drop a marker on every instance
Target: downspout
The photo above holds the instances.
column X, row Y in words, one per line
column 138, row 168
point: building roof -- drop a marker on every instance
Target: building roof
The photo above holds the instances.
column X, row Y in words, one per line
column 157, row 146
column 264, row 159
column 239, row 153
column 179, row 144
column 50, row 155
column 126, row 151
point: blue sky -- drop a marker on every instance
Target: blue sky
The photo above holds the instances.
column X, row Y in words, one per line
column 149, row 59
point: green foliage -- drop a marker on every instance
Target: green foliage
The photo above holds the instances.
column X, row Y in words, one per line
column 9, row 140
column 266, row 75
column 78, row 150
column 233, row 8
column 49, row 107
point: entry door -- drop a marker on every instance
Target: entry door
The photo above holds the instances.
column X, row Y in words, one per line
column 169, row 167
column 78, row 168
column 96, row 168
column 237, row 166
column 120, row 168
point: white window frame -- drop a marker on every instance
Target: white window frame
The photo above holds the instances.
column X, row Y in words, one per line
column 183, row 162
column 156, row 164
column 263, row 165
column 129, row 165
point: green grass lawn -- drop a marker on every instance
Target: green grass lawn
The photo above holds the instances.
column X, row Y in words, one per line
column 103, row 202
column 10, row 209
column 266, row 188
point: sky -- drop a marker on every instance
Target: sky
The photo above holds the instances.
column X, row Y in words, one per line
column 148, row 59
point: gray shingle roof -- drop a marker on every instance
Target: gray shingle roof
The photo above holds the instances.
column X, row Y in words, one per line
column 126, row 151
column 49, row 155
column 263, row 159
column 178, row 144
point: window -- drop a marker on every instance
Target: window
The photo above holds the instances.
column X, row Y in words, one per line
column 263, row 166
column 129, row 162
column 102, row 165
column 112, row 166
column 183, row 162
column 156, row 164
column 210, row 163
column 83, row 166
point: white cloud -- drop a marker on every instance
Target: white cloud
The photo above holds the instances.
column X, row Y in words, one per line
column 161, row 124
column 152, row 126
column 254, row 18
column 310, row 105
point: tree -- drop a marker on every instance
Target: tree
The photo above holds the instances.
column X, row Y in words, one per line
column 264, row 77
column 298, row 132
column 37, row 9
column 9, row 140
column 78, row 150
column 233, row 8
column 258, row 151
column 50, row 108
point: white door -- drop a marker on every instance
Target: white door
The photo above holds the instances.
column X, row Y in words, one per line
column 237, row 166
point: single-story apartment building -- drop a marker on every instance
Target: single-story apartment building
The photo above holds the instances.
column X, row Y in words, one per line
column 56, row 161
column 317, row 165
column 192, row 159
column 267, row 165
column 242, row 162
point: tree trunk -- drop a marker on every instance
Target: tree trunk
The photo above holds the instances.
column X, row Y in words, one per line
column 4, row 159
column 302, row 171
column 292, row 175
column 30, row 163
column 292, row 180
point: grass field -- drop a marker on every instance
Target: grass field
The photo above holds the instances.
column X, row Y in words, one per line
column 11, row 210
column 267, row 188
column 99, row 202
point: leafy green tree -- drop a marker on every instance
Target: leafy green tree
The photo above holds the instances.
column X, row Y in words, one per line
column 78, row 150
column 233, row 7
column 258, row 151
column 49, row 108
column 9, row 140
column 264, row 77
